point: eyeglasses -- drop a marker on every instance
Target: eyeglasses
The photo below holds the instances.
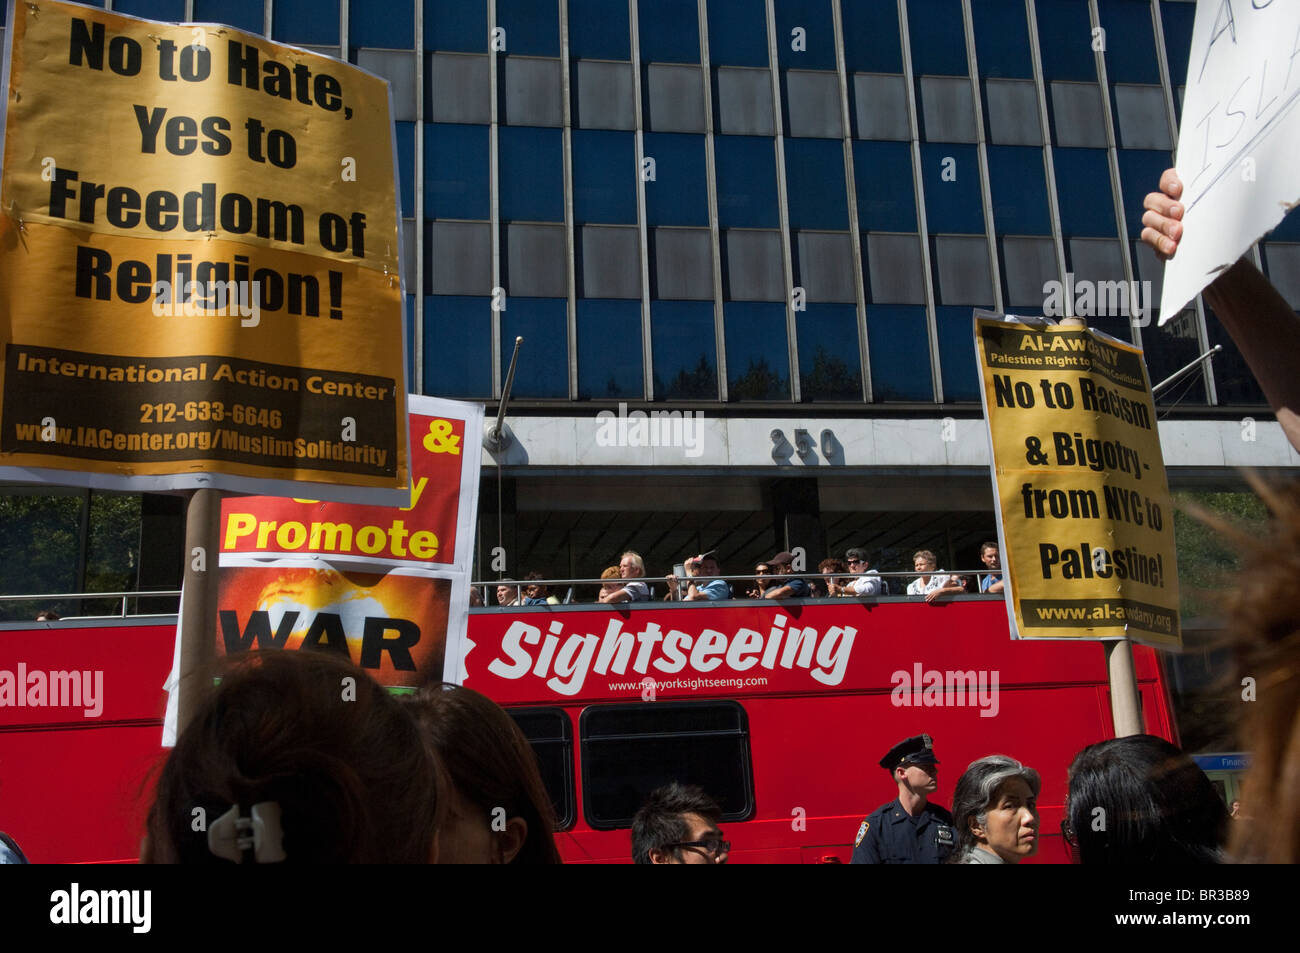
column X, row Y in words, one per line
column 854, row 562
column 761, row 570
column 710, row 845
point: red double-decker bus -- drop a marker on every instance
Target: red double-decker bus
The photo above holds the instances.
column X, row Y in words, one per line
column 781, row 710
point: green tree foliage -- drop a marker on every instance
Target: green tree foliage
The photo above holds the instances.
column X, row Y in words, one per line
column 39, row 548
column 831, row 378
column 1206, row 562
column 759, row 382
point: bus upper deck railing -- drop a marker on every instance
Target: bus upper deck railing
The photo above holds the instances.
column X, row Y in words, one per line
column 487, row 586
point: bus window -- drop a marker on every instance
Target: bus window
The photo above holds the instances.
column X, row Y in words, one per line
column 550, row 733
column 629, row 750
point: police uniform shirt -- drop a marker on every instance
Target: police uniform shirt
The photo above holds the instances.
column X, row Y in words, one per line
column 890, row 835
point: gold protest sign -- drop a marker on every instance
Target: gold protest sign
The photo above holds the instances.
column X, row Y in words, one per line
column 1084, row 513
column 199, row 272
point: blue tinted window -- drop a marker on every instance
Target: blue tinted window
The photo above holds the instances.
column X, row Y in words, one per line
column 456, row 171
column 303, row 21
column 678, row 195
column 532, row 28
column 952, row 204
column 388, row 26
column 1232, row 375
column 1002, row 38
column 900, row 353
column 670, row 31
column 815, row 189
column 817, row 39
column 873, row 43
column 1019, row 187
column 408, row 311
column 458, row 346
column 532, row 177
column 685, row 357
column 758, row 355
column 1177, row 19
column 166, row 10
column 1065, row 41
column 1083, row 191
column 247, row 15
column 456, row 25
column 1130, row 41
column 604, row 176
column 543, row 369
column 738, row 32
column 828, row 352
column 882, row 175
column 1139, row 173
column 405, row 132
column 609, row 349
column 938, row 37
column 746, row 167
column 957, row 353
column 598, row 30
column 1288, row 230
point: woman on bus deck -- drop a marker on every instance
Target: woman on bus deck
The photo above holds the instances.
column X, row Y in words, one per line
column 498, row 809
column 995, row 812
column 1139, row 800
column 299, row 757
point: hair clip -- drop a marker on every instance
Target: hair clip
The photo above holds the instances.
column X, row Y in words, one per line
column 231, row 836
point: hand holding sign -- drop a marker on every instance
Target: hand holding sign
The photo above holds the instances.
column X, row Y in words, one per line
column 1261, row 322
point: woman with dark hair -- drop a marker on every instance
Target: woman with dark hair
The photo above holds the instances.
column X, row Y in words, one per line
column 995, row 812
column 301, row 757
column 498, row 808
column 1139, row 800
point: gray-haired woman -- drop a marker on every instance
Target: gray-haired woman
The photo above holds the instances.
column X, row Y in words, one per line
column 995, row 812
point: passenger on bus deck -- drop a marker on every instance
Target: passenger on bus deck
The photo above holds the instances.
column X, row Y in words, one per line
column 995, row 811
column 930, row 584
column 992, row 580
column 785, row 586
column 499, row 811
column 631, row 567
column 704, row 585
column 678, row 824
column 507, row 594
column 830, row 580
column 909, row 829
column 536, row 594
column 759, row 586
column 608, row 587
column 868, row 585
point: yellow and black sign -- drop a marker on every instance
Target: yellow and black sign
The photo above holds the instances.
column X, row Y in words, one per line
column 199, row 275
column 1084, row 512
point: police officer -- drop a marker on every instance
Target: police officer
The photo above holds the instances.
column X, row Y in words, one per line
column 909, row 829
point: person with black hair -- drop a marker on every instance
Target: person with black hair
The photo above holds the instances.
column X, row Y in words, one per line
column 995, row 811
column 296, row 757
column 1140, row 800
column 498, row 809
column 678, row 824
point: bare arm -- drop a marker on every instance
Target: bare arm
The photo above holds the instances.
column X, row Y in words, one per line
column 1258, row 319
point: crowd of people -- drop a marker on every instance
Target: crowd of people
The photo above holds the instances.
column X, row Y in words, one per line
column 701, row 579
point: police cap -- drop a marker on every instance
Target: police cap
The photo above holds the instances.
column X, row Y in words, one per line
column 919, row 749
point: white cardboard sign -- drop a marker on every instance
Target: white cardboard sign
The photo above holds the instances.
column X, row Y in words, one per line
column 1240, row 138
